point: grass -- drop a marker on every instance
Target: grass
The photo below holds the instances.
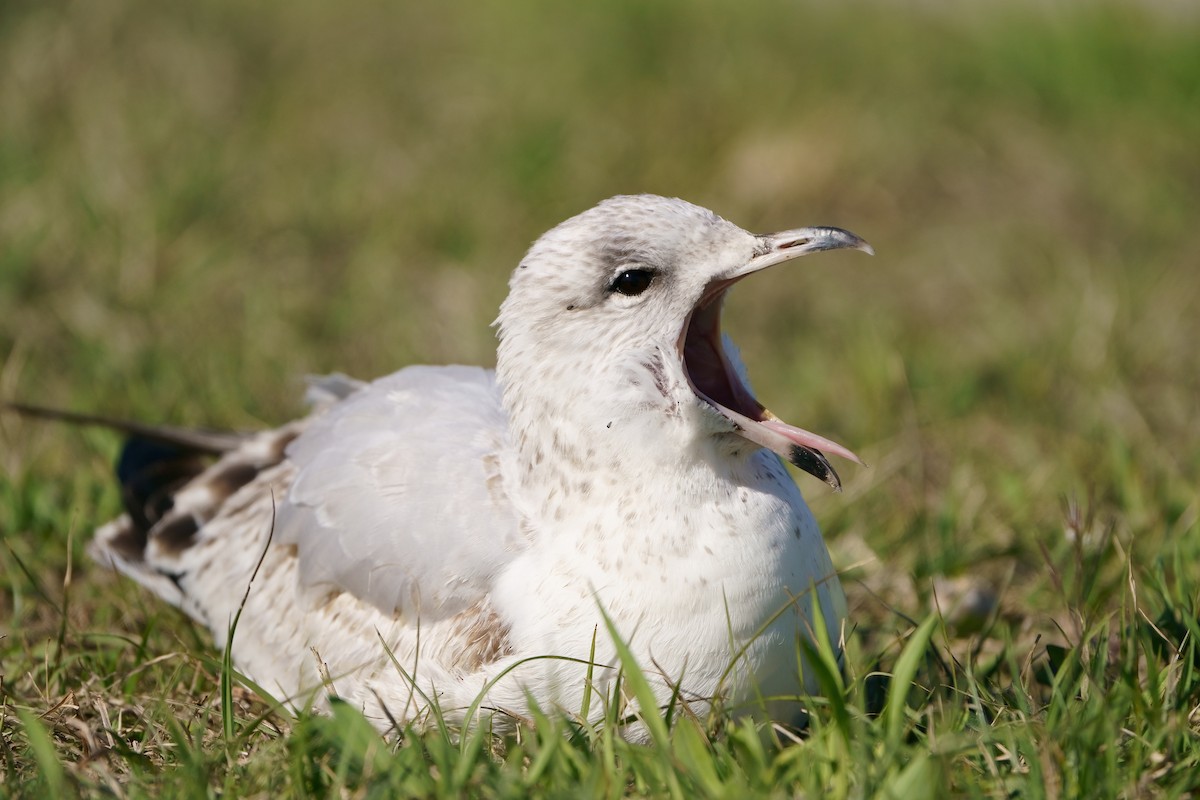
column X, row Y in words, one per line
column 200, row 203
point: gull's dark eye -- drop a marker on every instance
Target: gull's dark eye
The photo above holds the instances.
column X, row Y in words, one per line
column 632, row 282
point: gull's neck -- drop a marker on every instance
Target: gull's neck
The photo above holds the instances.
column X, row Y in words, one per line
column 594, row 448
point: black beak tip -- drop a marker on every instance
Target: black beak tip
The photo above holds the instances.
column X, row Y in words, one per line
column 814, row 463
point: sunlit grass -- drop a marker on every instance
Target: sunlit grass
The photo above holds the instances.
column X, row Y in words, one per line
column 201, row 203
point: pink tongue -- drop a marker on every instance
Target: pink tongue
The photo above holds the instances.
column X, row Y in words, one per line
column 805, row 439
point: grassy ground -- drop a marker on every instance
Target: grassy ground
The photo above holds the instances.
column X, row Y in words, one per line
column 201, row 202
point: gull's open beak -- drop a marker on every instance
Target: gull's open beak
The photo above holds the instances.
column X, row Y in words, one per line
column 714, row 379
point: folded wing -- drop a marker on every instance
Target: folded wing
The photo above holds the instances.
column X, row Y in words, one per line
column 398, row 496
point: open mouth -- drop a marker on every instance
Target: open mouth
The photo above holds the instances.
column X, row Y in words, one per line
column 714, row 381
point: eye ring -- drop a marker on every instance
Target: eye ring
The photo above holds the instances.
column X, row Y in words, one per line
column 632, row 282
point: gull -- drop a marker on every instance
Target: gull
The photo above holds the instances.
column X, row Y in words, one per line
column 450, row 540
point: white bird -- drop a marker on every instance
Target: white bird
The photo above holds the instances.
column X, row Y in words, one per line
column 421, row 541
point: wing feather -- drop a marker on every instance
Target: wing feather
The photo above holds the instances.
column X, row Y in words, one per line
column 398, row 497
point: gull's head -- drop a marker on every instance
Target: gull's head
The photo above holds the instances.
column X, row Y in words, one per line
column 614, row 316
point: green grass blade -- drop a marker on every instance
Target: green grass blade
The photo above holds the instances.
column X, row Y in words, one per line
column 585, row 705
column 648, row 711
column 44, row 754
column 895, row 712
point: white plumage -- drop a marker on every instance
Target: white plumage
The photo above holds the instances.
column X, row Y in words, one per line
column 432, row 529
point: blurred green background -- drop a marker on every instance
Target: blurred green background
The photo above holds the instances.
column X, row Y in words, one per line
column 202, row 202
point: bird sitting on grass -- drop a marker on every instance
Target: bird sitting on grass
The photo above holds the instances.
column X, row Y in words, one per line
column 449, row 538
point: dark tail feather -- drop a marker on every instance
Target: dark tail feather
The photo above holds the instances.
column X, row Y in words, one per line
column 195, row 439
column 156, row 461
column 150, row 473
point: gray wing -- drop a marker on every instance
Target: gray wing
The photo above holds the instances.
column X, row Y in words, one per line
column 399, row 498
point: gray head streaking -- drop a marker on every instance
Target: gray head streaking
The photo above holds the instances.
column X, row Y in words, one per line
column 430, row 535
